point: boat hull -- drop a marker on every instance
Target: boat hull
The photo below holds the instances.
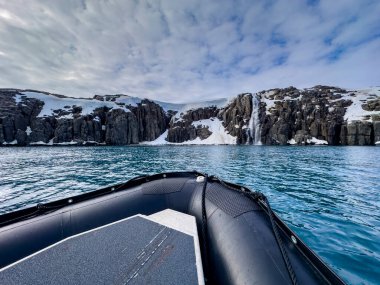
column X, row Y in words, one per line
column 239, row 246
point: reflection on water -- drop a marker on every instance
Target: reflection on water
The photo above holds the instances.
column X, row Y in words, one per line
column 329, row 195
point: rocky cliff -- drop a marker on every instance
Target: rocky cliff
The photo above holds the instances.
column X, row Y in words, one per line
column 37, row 118
column 325, row 115
column 318, row 115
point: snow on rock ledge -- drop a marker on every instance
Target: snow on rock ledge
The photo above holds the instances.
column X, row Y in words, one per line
column 316, row 141
column 65, row 107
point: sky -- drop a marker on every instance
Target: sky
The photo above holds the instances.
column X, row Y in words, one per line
column 184, row 50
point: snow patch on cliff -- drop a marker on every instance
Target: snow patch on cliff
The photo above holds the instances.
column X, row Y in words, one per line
column 313, row 141
column 270, row 103
column 14, row 142
column 128, row 100
column 316, row 141
column 17, row 99
column 219, row 135
column 42, row 143
column 355, row 111
column 161, row 140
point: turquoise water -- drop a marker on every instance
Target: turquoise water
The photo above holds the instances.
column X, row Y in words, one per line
column 330, row 196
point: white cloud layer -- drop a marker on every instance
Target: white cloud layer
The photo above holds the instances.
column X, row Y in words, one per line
column 187, row 50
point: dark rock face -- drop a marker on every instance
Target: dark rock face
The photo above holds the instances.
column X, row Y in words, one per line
column 357, row 133
column 372, row 105
column 30, row 108
column 202, row 132
column 182, row 129
column 86, row 128
column 121, row 128
column 42, row 129
column 16, row 116
column 151, row 120
column 146, row 122
column 8, row 129
column 280, row 132
column 181, row 133
column 64, row 131
column 21, row 137
column 236, row 117
column 20, row 122
column 376, row 131
column 2, row 140
column 302, row 114
column 200, row 114
column 8, row 107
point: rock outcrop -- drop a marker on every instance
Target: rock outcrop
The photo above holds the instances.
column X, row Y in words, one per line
column 151, row 120
column 42, row 129
column 313, row 113
column 376, row 131
column 322, row 114
column 87, row 129
column 20, row 123
column 184, row 127
column 121, row 128
column 357, row 133
column 236, row 115
column 63, row 131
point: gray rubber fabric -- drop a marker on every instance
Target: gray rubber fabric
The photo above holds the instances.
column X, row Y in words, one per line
column 134, row 251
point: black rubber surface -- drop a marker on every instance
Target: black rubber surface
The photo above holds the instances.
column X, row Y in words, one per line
column 241, row 247
column 164, row 186
column 231, row 202
column 134, row 251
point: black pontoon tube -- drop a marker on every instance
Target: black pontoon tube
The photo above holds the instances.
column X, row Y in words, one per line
column 244, row 241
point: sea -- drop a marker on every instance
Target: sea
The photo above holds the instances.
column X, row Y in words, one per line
column 330, row 196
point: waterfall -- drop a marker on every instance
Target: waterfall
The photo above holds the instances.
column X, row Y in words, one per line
column 254, row 122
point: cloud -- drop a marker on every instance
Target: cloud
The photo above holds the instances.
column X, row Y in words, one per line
column 187, row 50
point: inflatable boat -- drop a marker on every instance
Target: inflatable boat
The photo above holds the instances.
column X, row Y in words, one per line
column 81, row 239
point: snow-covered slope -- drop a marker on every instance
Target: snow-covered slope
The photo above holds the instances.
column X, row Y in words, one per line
column 355, row 112
column 53, row 103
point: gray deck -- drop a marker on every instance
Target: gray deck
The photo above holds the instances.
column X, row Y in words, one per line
column 132, row 251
